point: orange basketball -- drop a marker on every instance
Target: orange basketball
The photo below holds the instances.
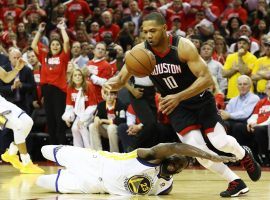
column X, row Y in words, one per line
column 140, row 62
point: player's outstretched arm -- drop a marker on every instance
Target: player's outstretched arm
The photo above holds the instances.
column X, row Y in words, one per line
column 117, row 82
column 9, row 76
column 161, row 151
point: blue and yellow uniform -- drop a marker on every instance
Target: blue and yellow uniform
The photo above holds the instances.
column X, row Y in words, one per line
column 105, row 172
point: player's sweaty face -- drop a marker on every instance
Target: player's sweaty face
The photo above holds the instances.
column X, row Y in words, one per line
column 152, row 32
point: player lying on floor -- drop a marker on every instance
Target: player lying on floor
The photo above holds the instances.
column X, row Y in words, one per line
column 143, row 171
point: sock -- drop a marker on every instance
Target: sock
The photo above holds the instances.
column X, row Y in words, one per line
column 229, row 175
column 224, row 171
column 13, row 149
column 25, row 158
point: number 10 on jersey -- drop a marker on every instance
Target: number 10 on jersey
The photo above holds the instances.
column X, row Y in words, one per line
column 170, row 82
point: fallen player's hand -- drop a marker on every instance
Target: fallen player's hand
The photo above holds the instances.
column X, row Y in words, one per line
column 20, row 64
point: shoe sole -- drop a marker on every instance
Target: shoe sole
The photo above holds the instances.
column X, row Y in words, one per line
column 243, row 191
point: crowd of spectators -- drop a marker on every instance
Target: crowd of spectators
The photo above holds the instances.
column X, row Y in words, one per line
column 73, row 47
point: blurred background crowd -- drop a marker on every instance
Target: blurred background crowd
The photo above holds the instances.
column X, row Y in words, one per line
column 73, row 47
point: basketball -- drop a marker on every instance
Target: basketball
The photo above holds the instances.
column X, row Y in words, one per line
column 140, row 62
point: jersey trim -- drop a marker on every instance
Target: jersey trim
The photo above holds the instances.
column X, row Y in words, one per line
column 189, row 128
column 55, row 150
column 209, row 130
column 118, row 156
column 161, row 55
column 56, row 181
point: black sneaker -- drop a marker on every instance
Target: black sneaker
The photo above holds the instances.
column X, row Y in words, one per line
column 252, row 167
column 235, row 188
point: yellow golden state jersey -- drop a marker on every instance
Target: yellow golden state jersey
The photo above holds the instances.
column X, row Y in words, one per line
column 127, row 174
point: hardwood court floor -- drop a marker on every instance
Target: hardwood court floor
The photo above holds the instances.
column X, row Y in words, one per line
column 192, row 184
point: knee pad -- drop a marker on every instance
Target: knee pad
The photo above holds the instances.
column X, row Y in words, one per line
column 22, row 129
column 27, row 123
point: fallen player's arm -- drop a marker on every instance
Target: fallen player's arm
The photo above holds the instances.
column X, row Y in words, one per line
column 161, row 151
column 8, row 76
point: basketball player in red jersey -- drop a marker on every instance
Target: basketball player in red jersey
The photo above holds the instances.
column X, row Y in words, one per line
column 187, row 101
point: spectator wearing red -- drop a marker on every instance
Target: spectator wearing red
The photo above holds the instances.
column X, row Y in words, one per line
column 9, row 23
column 221, row 49
column 76, row 8
column 31, row 10
column 112, row 58
column 211, row 11
column 94, row 28
column 99, row 69
column 173, row 10
column 222, row 5
column 19, row 3
column 258, row 126
column 55, row 30
column 108, row 26
column 3, row 34
column 199, row 16
column 80, row 107
column 53, row 80
column 12, row 10
column 236, row 11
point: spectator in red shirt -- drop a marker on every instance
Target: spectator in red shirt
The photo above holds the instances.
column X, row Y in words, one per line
column 236, row 11
column 175, row 9
column 11, row 9
column 9, row 23
column 53, row 80
column 221, row 49
column 94, row 28
column 76, row 8
column 33, row 9
column 108, row 26
column 18, row 3
column 99, row 69
column 80, row 107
